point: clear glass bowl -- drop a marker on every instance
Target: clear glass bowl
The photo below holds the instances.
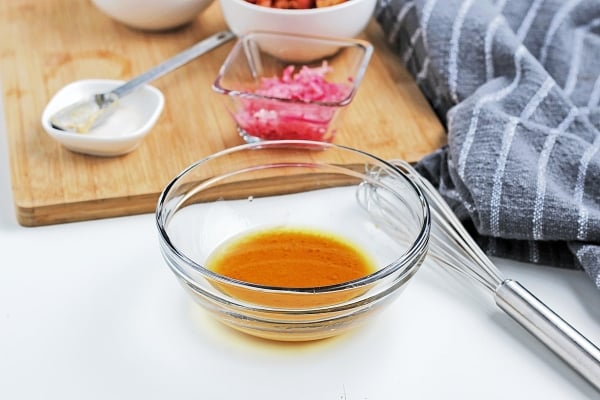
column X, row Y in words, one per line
column 303, row 105
column 297, row 184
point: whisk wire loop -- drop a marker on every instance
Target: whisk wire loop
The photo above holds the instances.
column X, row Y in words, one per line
column 453, row 247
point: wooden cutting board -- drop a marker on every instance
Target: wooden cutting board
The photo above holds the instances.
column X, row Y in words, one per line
column 48, row 43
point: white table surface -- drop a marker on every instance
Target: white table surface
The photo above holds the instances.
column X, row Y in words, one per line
column 89, row 311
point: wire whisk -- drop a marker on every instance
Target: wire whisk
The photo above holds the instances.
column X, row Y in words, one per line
column 453, row 247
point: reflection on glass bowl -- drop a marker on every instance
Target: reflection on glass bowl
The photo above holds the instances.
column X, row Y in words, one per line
column 292, row 185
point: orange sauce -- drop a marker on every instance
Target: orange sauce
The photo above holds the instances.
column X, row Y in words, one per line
column 290, row 258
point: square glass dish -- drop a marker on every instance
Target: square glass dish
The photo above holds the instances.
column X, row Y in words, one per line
column 283, row 86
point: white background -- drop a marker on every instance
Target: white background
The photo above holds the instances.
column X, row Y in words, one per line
column 90, row 311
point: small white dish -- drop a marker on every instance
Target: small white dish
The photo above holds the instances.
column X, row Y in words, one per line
column 122, row 132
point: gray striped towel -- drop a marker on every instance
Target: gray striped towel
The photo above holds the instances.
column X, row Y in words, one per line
column 517, row 84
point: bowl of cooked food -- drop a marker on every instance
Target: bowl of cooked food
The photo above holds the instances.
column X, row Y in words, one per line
column 288, row 240
column 336, row 18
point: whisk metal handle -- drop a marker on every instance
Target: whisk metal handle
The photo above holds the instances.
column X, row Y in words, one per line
column 575, row 349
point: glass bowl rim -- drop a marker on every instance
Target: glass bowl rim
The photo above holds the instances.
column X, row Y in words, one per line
column 367, row 48
column 405, row 263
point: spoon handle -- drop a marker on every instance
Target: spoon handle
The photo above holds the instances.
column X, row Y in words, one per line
column 175, row 62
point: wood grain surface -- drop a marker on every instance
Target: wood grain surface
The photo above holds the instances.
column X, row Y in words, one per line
column 49, row 43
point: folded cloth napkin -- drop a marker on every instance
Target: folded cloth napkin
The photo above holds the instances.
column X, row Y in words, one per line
column 517, row 84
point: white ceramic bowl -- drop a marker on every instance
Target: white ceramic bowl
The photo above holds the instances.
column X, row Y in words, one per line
column 121, row 133
column 345, row 20
column 152, row 14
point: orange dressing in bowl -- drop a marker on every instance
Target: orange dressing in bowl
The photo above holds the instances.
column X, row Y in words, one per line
column 290, row 258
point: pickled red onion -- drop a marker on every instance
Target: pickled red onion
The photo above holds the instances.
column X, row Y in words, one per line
column 295, row 106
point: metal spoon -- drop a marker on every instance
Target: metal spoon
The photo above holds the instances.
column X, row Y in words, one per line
column 85, row 114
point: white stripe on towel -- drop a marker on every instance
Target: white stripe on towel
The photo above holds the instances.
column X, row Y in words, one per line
column 595, row 95
column 507, row 139
column 393, row 35
column 495, row 96
column 509, row 133
column 580, row 34
column 537, row 98
column 427, row 10
column 413, row 40
column 489, row 42
column 540, row 193
column 582, row 219
column 454, row 48
column 575, row 63
column 423, row 72
column 528, row 20
column 534, row 251
column 554, row 25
